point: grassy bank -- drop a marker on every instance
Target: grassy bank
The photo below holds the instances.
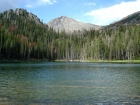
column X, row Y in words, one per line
column 116, row 61
column 71, row 60
column 100, row 61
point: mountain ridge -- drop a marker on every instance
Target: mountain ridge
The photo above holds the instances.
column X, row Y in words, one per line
column 133, row 18
column 20, row 13
column 69, row 25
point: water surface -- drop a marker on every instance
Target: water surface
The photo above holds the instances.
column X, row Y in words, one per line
column 54, row 83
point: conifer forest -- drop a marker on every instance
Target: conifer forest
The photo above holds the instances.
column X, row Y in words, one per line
column 24, row 37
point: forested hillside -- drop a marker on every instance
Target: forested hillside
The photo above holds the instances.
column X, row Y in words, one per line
column 23, row 36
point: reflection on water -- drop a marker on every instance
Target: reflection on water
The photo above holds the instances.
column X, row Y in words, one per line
column 48, row 83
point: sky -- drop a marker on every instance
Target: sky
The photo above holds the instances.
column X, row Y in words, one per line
column 99, row 12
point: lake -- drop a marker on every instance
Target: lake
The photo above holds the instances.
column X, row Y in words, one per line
column 69, row 83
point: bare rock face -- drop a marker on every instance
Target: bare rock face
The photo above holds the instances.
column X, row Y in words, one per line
column 70, row 25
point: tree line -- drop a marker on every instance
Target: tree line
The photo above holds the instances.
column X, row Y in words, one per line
column 22, row 37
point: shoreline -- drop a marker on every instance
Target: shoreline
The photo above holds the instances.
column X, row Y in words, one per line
column 90, row 61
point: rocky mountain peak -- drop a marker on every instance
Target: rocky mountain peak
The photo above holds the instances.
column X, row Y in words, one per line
column 70, row 25
column 63, row 17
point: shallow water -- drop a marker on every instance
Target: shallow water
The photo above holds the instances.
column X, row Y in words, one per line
column 60, row 83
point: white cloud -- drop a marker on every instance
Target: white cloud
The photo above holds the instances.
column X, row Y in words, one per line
column 90, row 4
column 47, row 1
column 107, row 15
column 39, row 3
column 28, row 6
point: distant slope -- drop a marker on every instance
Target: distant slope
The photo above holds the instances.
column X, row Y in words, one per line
column 130, row 19
column 69, row 25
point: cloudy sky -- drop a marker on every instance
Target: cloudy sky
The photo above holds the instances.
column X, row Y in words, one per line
column 100, row 12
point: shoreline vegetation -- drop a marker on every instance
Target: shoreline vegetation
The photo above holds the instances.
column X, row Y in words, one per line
column 65, row 60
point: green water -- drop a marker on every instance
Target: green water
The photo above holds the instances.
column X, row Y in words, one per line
column 60, row 83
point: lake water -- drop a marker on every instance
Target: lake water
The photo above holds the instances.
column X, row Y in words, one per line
column 61, row 83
